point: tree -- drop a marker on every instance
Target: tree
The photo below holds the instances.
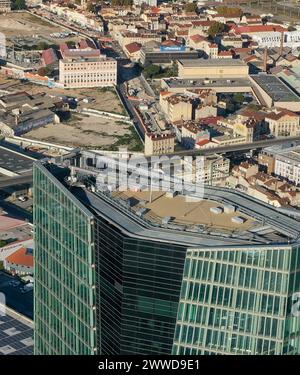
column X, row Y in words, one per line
column 191, row 8
column 42, row 46
column 121, row 2
column 292, row 28
column 152, row 70
column 216, row 28
column 19, row 4
column 90, row 7
column 71, row 44
column 238, row 97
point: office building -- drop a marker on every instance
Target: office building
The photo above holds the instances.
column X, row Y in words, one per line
column 139, row 272
column 78, row 72
column 212, row 68
column 155, row 53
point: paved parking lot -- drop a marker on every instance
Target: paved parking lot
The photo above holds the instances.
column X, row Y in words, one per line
column 23, row 303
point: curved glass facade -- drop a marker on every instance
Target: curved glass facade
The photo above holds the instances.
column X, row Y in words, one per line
column 239, row 302
column 102, row 289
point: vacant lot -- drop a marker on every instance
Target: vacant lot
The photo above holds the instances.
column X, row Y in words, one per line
column 27, row 25
column 105, row 99
column 87, row 131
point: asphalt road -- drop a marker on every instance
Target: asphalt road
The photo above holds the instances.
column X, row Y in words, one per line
column 240, row 147
column 16, row 211
column 130, row 109
column 19, row 180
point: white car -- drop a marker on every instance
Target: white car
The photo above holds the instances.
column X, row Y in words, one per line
column 22, row 198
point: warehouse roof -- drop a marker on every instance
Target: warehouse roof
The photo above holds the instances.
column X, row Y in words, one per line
column 211, row 62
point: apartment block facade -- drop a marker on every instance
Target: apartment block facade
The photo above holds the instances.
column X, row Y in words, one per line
column 87, row 72
column 5, row 6
column 156, row 144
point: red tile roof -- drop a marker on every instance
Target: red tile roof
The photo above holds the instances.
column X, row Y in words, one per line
column 203, row 142
column 86, row 43
column 21, row 257
column 257, row 29
column 133, row 47
column 170, row 42
column 49, row 56
column 283, row 112
column 197, row 38
column 202, row 23
column 225, row 53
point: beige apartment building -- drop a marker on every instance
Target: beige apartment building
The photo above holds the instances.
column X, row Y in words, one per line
column 213, row 170
column 127, row 37
column 5, row 6
column 78, row 72
column 176, row 107
column 159, row 144
column 284, row 123
column 212, row 68
column 216, row 169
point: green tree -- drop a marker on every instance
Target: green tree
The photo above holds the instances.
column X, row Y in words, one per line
column 90, row 7
column 44, row 71
column 292, row 28
column 152, row 70
column 42, row 46
column 71, row 44
column 2, row 243
column 19, row 4
column 191, row 7
column 238, row 97
column 217, row 28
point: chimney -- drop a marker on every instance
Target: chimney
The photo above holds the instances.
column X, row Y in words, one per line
column 281, row 43
column 265, row 60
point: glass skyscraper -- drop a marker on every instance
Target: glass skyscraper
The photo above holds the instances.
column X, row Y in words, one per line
column 113, row 277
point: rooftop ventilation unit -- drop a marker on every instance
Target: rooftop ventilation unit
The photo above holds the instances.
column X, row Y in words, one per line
column 229, row 209
column 216, row 210
column 142, row 211
column 238, row 220
column 166, row 219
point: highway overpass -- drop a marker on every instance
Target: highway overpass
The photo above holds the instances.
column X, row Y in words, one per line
column 238, row 147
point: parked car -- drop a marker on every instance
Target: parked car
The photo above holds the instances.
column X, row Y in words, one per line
column 26, row 288
column 14, row 283
column 23, row 198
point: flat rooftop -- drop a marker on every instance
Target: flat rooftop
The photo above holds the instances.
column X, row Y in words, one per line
column 14, row 161
column 286, row 153
column 275, row 88
column 186, row 218
column 207, row 83
column 16, row 336
column 211, row 62
column 183, row 212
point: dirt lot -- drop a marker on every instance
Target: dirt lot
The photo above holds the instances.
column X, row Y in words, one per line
column 87, row 131
column 23, row 24
column 106, row 99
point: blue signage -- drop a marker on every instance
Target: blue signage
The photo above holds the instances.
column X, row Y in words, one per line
column 172, row 48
